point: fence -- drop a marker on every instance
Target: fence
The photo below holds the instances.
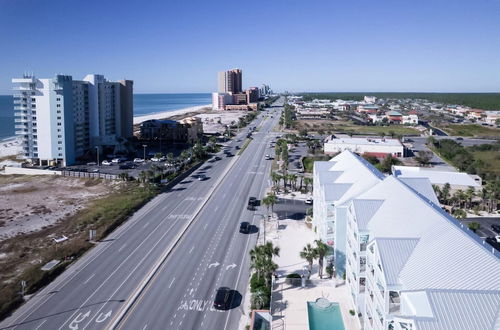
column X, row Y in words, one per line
column 90, row 175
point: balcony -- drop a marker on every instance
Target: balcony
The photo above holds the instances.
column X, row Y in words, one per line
column 362, row 247
column 394, row 302
column 21, row 107
column 25, row 126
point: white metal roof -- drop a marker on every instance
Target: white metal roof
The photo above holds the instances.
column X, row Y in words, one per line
column 366, row 141
column 461, row 309
column 422, row 186
column 451, row 258
column 436, row 177
column 394, row 253
column 365, row 209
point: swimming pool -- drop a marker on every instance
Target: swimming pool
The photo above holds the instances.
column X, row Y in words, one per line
column 324, row 316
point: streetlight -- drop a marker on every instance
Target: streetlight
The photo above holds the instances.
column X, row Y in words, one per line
column 144, row 146
column 97, row 152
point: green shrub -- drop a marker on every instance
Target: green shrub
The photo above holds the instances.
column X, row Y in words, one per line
column 257, row 282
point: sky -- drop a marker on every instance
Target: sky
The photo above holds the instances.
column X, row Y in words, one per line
column 309, row 45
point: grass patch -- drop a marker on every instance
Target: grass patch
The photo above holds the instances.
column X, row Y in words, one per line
column 471, row 130
column 491, row 160
column 245, row 145
column 308, row 162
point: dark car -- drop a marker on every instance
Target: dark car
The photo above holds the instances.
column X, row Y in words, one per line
column 217, row 158
column 228, row 154
column 222, row 296
column 244, row 227
column 496, row 228
column 252, row 203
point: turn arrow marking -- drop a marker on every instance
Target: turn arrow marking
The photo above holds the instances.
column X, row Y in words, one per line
column 231, row 266
column 215, row 264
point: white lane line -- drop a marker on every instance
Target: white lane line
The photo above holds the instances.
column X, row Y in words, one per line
column 191, row 250
column 145, row 326
column 145, row 225
column 205, row 227
column 122, row 247
column 38, row 327
column 170, row 285
column 216, row 208
column 89, row 279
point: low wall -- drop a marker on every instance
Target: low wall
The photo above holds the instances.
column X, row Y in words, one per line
column 29, row 171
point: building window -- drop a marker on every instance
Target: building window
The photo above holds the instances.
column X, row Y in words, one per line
column 60, row 155
column 58, row 124
column 58, row 118
column 58, row 99
column 59, row 142
column 59, row 148
column 58, row 105
column 58, row 129
column 59, row 136
column 33, row 100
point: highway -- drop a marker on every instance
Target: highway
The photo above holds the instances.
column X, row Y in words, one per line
column 98, row 289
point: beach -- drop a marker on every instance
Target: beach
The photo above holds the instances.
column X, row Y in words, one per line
column 173, row 113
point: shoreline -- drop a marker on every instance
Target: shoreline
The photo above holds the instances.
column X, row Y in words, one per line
column 171, row 113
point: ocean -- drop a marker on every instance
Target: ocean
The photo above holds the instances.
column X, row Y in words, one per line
column 144, row 104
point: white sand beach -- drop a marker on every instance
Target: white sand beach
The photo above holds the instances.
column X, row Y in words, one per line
column 10, row 147
column 167, row 114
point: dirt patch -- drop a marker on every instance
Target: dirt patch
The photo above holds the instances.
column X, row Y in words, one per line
column 32, row 203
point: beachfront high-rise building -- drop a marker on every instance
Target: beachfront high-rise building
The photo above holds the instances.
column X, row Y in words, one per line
column 60, row 119
column 230, row 81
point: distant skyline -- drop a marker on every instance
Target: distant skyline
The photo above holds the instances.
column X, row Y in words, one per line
column 318, row 46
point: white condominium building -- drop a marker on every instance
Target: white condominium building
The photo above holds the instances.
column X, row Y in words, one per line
column 60, row 119
column 410, row 265
column 336, row 182
column 379, row 147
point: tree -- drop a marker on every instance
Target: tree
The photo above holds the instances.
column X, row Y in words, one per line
column 445, row 192
column 269, row 201
column 170, row 158
column 459, row 214
column 474, row 226
column 424, row 157
column 321, row 249
column 470, row 193
column 307, row 182
column 276, row 177
column 260, row 299
column 302, row 132
column 124, row 176
column 158, row 155
column 309, row 254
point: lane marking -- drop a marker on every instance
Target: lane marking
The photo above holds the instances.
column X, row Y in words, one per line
column 89, row 279
column 170, row 285
column 38, row 327
column 122, row 247
column 145, row 225
column 192, row 248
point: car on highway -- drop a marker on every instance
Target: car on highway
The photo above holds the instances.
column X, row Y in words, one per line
column 309, row 201
column 245, row 227
column 222, row 298
column 217, row 158
column 202, row 177
column 268, row 157
column 138, row 160
column 107, row 163
column 496, row 228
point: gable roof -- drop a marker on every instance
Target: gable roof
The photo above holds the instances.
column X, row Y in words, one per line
column 394, row 253
column 423, row 187
column 365, row 209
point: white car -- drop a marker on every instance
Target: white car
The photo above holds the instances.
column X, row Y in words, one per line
column 309, row 201
column 138, row 160
column 268, row 157
column 154, row 159
column 116, row 160
column 107, row 163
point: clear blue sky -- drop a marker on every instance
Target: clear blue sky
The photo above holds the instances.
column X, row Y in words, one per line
column 307, row 45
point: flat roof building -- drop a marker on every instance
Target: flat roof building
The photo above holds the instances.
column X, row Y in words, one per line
column 379, row 147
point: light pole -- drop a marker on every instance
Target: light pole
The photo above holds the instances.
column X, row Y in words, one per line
column 144, row 154
column 97, row 152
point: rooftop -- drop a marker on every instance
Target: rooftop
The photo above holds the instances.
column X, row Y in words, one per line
column 435, row 177
column 365, row 141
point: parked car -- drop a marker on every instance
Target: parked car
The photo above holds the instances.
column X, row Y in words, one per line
column 244, row 227
column 95, row 170
column 222, row 296
column 116, row 160
column 268, row 157
column 309, row 201
column 496, row 228
column 107, row 163
column 92, row 164
column 138, row 160
column 201, row 177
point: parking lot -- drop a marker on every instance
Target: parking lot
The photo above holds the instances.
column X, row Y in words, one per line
column 485, row 230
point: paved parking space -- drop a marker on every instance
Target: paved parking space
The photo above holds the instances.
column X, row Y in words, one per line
column 291, row 209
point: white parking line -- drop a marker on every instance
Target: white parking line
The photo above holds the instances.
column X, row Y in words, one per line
column 122, row 247
column 38, row 327
column 170, row 285
column 192, row 248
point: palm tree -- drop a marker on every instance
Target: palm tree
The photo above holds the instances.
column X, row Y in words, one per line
column 470, row 194
column 261, row 260
column 307, row 182
column 446, row 192
column 293, row 181
column 124, row 176
column 275, row 177
column 321, row 249
column 438, row 192
column 259, row 299
column 309, row 254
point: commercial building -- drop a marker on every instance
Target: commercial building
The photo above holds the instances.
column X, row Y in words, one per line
column 252, row 95
column 411, row 119
column 60, row 119
column 220, row 100
column 379, row 147
column 394, row 117
column 456, row 180
column 492, row 117
column 370, row 99
column 368, row 108
column 230, row 95
column 187, row 130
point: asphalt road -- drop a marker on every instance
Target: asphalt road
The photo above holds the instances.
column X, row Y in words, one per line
column 211, row 254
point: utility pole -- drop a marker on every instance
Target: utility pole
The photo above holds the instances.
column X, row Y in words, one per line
column 144, row 155
column 97, row 152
